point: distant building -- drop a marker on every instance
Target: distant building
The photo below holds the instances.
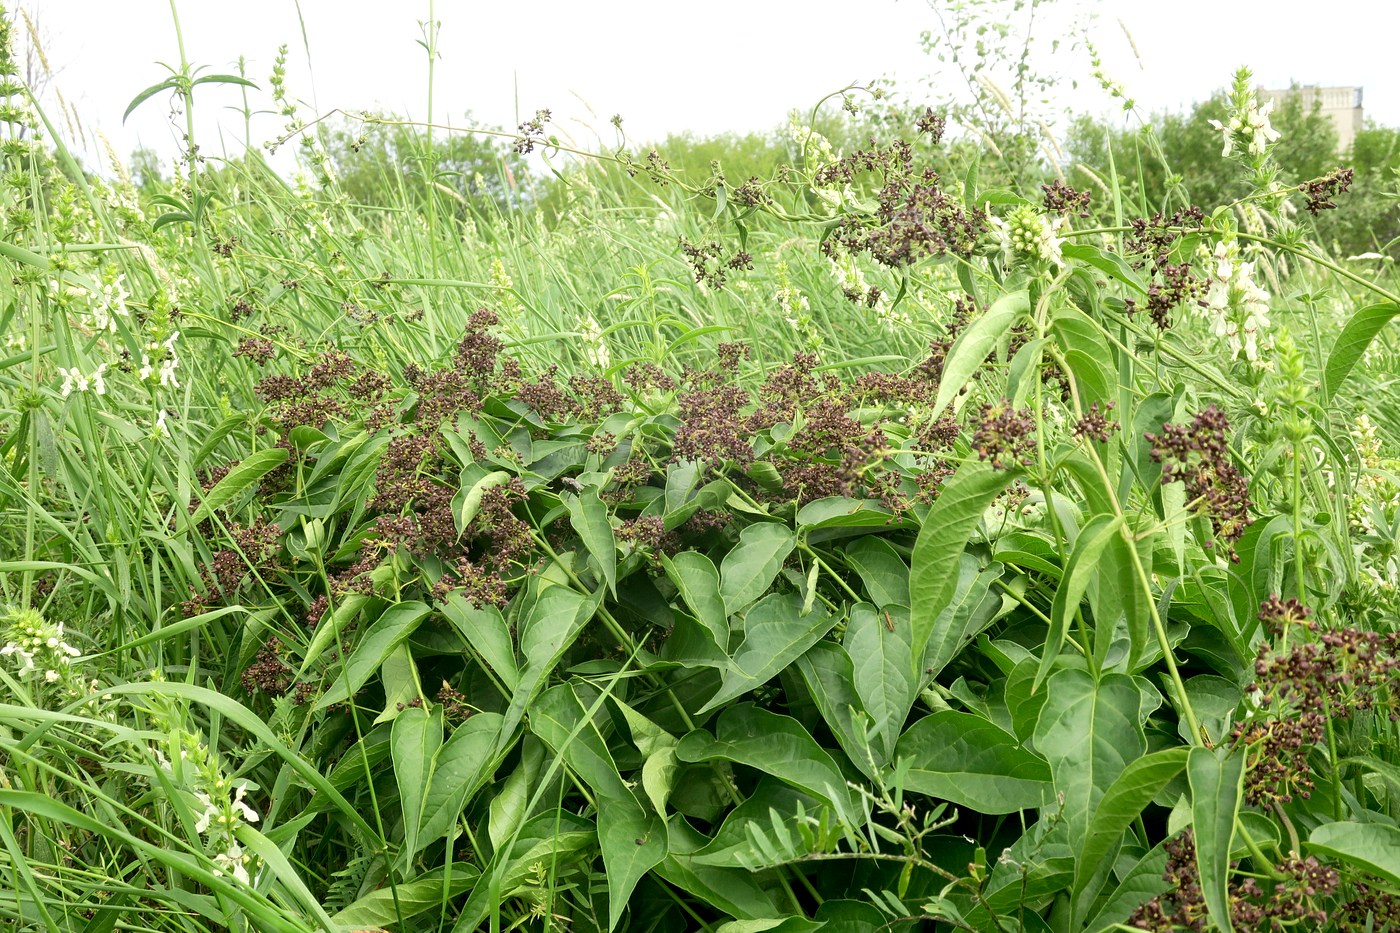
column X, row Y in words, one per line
column 1341, row 105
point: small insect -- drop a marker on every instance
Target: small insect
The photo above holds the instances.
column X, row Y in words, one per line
column 889, row 623
column 572, row 483
column 642, row 840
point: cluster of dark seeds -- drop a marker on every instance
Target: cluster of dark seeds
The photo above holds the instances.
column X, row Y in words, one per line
column 1321, row 191
column 1198, row 455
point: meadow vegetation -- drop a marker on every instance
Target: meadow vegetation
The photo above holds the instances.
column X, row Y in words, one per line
column 860, row 527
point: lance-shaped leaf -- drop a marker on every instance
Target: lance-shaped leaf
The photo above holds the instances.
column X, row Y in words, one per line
column 750, row 568
column 936, row 638
column 776, row 633
column 1216, row 776
column 978, row 339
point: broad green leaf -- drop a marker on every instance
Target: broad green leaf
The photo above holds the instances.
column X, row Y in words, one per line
column 241, row 478
column 1089, row 733
column 1143, row 882
column 467, row 501
column 977, row 340
column 935, row 565
column 966, row 760
column 1216, row 776
column 842, row 512
column 1124, row 800
column 1109, row 263
column 386, row 906
column 399, row 675
column 394, row 625
column 750, row 568
column 414, row 741
column 633, row 842
column 881, row 569
column 556, row 716
column 733, row 846
column 485, row 630
column 733, row 891
column 1372, row 847
column 775, row 634
column 878, row 643
column 697, row 580
column 554, row 621
column 829, row 674
column 589, row 517
column 659, row 777
column 774, row 744
column 507, row 809
column 463, row 764
column 1079, row 572
column 1352, row 342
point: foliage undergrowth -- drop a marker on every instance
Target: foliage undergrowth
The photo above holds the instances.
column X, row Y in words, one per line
column 855, row 547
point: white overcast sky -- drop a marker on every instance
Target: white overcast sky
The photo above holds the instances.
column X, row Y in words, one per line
column 705, row 66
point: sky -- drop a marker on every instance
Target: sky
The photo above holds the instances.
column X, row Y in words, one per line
column 721, row 65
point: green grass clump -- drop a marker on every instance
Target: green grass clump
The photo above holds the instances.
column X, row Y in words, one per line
column 858, row 544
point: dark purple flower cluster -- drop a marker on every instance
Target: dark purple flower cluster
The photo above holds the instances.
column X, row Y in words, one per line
column 1321, row 191
column 532, row 132
column 1095, row 424
column 1295, row 900
column 1005, row 436
column 1061, row 199
column 1151, row 242
column 1198, row 455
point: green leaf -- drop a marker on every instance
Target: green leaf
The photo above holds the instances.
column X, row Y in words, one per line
column 169, row 83
column 1352, row 342
column 554, row 621
column 386, row 906
column 1089, row 732
column 394, row 625
column 239, row 479
column 1109, row 263
column 750, row 568
column 733, row 891
column 935, row 565
column 223, row 79
column 414, row 742
column 1372, row 847
column 775, row 634
column 556, row 717
column 978, row 339
column 1216, row 776
column 774, row 744
column 883, row 572
column 964, row 759
column 633, row 842
column 829, row 674
column 462, row 766
column 1124, row 800
column 1079, row 572
column 696, row 578
column 878, row 643
column 486, row 631
column 1143, row 882
column 589, row 517
column 472, row 487
column 842, row 512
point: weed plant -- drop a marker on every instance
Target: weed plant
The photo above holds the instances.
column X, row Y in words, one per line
column 856, row 548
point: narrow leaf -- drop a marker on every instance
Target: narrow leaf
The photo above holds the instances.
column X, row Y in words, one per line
column 1217, row 785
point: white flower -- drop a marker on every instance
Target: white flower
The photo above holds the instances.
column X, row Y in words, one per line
column 160, row 430
column 595, row 351
column 249, row 814
column 111, row 304
column 233, row 861
column 51, row 676
column 201, row 826
column 1261, row 132
column 1229, row 133
column 74, row 380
